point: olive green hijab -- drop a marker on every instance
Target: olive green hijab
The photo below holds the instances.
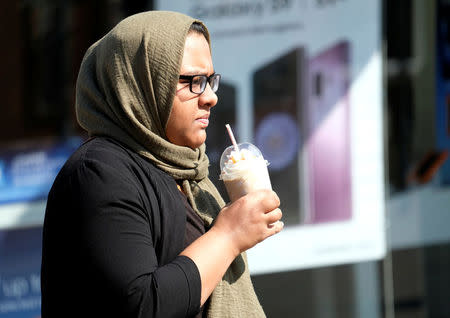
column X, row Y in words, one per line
column 125, row 90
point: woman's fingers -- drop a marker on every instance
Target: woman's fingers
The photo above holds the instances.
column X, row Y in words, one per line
column 267, row 200
column 274, row 223
column 275, row 228
column 273, row 216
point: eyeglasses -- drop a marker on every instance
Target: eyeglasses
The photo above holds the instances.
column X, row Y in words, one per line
column 197, row 83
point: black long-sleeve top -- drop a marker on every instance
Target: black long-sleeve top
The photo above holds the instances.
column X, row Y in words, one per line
column 113, row 231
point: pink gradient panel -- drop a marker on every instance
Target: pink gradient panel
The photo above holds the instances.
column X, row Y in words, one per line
column 328, row 141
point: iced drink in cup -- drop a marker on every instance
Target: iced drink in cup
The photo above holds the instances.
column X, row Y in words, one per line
column 243, row 169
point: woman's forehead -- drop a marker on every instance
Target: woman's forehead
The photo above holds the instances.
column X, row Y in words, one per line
column 197, row 55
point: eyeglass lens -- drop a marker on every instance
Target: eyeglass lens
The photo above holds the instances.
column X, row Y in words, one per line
column 199, row 83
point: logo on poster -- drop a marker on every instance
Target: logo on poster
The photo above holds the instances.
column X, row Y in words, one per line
column 240, row 9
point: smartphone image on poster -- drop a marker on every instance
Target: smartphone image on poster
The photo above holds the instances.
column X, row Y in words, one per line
column 327, row 146
column 217, row 141
column 278, row 101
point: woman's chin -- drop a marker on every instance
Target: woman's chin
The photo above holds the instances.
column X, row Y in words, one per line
column 194, row 143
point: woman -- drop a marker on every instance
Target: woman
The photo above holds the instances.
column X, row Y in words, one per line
column 129, row 229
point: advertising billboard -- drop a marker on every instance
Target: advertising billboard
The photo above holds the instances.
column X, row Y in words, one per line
column 302, row 80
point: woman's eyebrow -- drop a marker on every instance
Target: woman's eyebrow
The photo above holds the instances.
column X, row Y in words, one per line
column 190, row 73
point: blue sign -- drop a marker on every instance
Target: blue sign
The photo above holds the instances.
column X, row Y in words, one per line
column 27, row 174
column 20, row 262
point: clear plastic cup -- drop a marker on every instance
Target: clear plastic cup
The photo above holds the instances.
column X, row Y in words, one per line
column 244, row 171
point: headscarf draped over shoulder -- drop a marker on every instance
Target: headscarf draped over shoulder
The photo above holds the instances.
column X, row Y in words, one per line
column 125, row 90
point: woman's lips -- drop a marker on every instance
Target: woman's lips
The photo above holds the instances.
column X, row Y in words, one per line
column 204, row 120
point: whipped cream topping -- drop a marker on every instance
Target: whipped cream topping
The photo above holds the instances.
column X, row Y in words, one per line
column 239, row 162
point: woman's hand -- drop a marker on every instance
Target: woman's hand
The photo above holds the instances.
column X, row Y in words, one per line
column 250, row 220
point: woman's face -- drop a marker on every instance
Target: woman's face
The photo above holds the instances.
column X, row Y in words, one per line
column 190, row 112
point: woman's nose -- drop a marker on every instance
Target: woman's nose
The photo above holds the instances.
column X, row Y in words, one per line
column 208, row 97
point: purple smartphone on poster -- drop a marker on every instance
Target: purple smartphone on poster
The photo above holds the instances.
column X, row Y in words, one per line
column 327, row 155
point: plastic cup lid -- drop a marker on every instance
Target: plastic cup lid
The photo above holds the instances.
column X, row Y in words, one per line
column 245, row 145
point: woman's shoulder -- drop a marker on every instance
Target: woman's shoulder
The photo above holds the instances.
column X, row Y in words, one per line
column 103, row 151
column 108, row 153
column 112, row 159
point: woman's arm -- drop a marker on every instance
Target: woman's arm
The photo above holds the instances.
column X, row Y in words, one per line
column 238, row 227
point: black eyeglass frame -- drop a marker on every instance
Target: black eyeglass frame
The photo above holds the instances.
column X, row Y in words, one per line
column 209, row 79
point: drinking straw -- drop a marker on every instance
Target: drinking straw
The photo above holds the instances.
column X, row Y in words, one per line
column 230, row 132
